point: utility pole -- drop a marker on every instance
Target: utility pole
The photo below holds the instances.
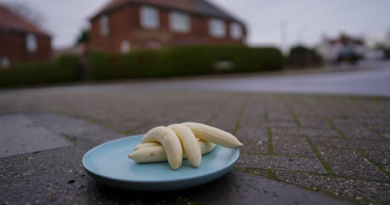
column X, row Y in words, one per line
column 283, row 35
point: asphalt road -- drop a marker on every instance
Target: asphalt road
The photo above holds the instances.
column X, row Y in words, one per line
column 352, row 82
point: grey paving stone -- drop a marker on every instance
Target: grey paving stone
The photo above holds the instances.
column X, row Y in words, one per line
column 280, row 163
column 19, row 135
column 353, row 131
column 351, row 143
column 256, row 172
column 292, row 146
column 283, row 124
column 82, row 132
column 256, row 146
column 135, row 111
column 349, row 163
column 379, row 127
column 240, row 188
column 252, row 133
column 279, row 115
column 387, row 168
column 381, row 158
column 313, row 122
column 225, row 122
column 57, row 177
column 305, row 132
column 349, row 188
column 385, row 134
column 253, row 119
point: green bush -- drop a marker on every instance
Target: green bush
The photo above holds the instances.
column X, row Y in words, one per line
column 137, row 64
column 184, row 61
column 62, row 69
column 301, row 56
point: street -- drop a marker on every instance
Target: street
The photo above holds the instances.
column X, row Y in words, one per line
column 359, row 82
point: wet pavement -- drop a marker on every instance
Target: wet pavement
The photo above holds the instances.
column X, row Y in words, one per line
column 355, row 81
column 298, row 148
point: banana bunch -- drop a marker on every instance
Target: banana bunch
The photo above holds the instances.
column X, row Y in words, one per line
column 187, row 140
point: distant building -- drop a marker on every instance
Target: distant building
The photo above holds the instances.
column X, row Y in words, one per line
column 331, row 49
column 124, row 25
column 20, row 40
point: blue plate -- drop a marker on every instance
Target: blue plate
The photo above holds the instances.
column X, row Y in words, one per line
column 108, row 164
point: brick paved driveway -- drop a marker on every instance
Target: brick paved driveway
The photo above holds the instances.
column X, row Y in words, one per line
column 335, row 145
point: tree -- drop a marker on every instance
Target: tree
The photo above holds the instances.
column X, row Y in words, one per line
column 83, row 37
column 27, row 12
column 301, row 56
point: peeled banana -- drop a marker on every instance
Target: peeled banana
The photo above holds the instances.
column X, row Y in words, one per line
column 213, row 135
column 169, row 141
column 189, row 143
column 186, row 140
column 157, row 152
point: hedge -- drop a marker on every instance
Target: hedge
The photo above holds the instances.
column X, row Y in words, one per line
column 137, row 64
column 61, row 69
column 301, row 57
column 167, row 62
column 184, row 61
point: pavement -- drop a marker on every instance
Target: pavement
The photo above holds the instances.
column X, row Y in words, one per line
column 298, row 148
column 370, row 78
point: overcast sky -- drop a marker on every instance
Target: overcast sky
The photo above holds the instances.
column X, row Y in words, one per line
column 306, row 20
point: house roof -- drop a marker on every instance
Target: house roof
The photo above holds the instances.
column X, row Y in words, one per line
column 344, row 39
column 202, row 7
column 13, row 21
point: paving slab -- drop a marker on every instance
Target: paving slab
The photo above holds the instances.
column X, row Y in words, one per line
column 350, row 188
column 292, row 146
column 299, row 141
column 380, row 158
column 350, row 163
column 20, row 135
column 313, row 122
column 351, row 143
column 56, row 176
column 247, row 132
column 280, row 163
column 312, row 132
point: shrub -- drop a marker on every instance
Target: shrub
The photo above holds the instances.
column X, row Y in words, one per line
column 137, row 64
column 301, row 56
column 200, row 60
column 184, row 61
column 62, row 69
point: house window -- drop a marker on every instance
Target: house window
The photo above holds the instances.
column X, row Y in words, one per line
column 149, row 17
column 217, row 28
column 235, row 31
column 179, row 22
column 125, row 47
column 104, row 25
column 4, row 62
column 31, row 43
column 154, row 45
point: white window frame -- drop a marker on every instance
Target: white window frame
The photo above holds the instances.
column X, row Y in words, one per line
column 236, row 31
column 179, row 22
column 31, row 43
column 217, row 28
column 150, row 17
column 125, row 46
column 104, row 24
column 5, row 62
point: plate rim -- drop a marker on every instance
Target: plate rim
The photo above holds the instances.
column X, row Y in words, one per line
column 237, row 153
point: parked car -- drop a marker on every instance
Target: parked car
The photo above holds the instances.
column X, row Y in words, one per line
column 347, row 55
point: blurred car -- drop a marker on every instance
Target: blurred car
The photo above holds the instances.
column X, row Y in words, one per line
column 347, row 55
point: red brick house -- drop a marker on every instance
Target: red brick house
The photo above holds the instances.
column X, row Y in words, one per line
column 124, row 25
column 20, row 40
